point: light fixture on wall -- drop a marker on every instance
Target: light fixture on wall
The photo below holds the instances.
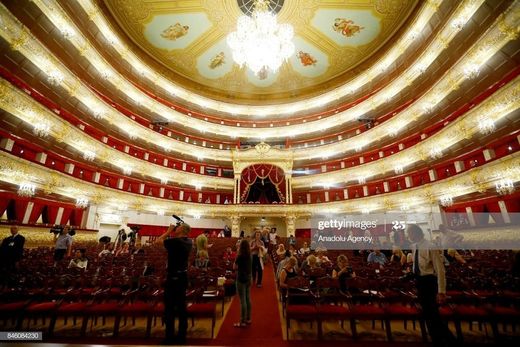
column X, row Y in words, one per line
column 26, row 190
column 505, row 186
column 81, row 202
column 446, row 201
column 260, row 42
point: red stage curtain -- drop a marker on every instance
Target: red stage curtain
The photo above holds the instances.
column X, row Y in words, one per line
column 51, row 214
column 66, row 215
column 76, row 216
column 3, row 205
column 262, row 171
column 20, row 207
column 36, row 211
column 494, row 210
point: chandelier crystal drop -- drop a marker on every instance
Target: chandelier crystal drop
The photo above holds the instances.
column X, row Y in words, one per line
column 260, row 42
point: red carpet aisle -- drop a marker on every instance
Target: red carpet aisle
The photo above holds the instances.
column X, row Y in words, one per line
column 266, row 327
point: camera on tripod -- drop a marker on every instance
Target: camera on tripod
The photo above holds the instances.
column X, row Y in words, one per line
column 58, row 229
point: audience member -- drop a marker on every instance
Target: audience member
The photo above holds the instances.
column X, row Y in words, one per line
column 282, row 263
column 343, row 271
column 429, row 272
column 202, row 260
column 124, row 250
column 310, row 264
column 398, row 256
column 305, row 249
column 280, row 251
column 221, row 234
column 321, row 257
column 80, row 260
column 273, row 236
column 243, row 266
column 229, row 255
column 288, row 271
column 292, row 241
column 108, row 248
column 11, row 251
column 257, row 251
column 377, row 257
column 227, row 231
column 293, row 250
column 63, row 244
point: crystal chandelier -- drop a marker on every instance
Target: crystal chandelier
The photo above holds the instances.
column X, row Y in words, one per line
column 260, row 42
column 41, row 129
column 505, row 186
column 81, row 202
column 446, row 201
column 486, row 125
column 26, row 190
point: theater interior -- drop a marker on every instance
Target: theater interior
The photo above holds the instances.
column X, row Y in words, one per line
column 118, row 118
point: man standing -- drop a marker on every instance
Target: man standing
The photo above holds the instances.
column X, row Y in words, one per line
column 63, row 244
column 11, row 250
column 178, row 246
column 430, row 275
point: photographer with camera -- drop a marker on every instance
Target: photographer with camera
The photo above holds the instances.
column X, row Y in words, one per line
column 178, row 246
column 63, row 242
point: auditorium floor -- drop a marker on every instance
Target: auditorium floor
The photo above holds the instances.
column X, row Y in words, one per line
column 268, row 329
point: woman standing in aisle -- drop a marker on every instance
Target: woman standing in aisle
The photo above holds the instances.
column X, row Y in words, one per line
column 243, row 268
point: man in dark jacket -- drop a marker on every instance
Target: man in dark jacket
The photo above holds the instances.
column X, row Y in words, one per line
column 11, row 250
column 178, row 246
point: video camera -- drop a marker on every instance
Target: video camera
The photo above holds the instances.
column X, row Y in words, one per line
column 57, row 229
column 131, row 235
column 178, row 219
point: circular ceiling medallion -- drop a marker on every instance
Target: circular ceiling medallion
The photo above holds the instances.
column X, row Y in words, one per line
column 247, row 6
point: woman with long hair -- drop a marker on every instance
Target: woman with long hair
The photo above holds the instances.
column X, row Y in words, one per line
column 243, row 266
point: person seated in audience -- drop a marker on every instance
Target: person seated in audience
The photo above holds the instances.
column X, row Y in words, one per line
column 377, row 257
column 107, row 250
column 310, row 264
column 343, row 271
column 293, row 250
column 282, row 263
column 321, row 258
column 124, row 250
column 288, row 271
column 80, row 260
column 202, row 260
column 213, row 233
column 227, row 231
column 221, row 233
column 305, row 248
column 229, row 255
column 280, row 252
column 398, row 256
column 453, row 256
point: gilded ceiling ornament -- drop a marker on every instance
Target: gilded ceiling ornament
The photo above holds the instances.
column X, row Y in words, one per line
column 306, row 59
column 21, row 40
column 422, row 154
column 217, row 60
column 262, row 148
column 388, row 204
column 175, row 31
column 477, row 183
column 511, row 30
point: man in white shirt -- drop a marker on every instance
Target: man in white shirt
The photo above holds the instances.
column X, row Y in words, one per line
column 430, row 275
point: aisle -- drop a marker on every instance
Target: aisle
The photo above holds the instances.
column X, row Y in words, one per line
column 266, row 328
